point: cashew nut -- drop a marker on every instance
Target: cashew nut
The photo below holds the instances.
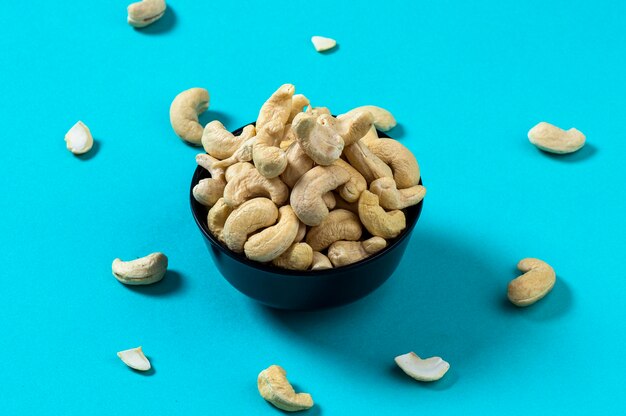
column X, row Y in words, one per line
column 329, row 200
column 216, row 218
column 349, row 206
column 273, row 241
column 276, row 389
column 269, row 159
column 142, row 271
column 553, row 139
column 367, row 163
column 319, row 141
column 351, row 190
column 135, row 359
column 405, row 169
column 427, row 369
column 251, row 183
column 372, row 135
column 306, row 196
column 237, row 169
column 184, row 113
column 298, row 102
column 538, row 279
column 321, row 43
column 342, row 253
column 298, row 256
column 220, row 143
column 383, row 119
column 277, row 107
column 251, row 216
column 390, row 197
column 317, row 111
column 298, row 163
column 351, row 126
column 338, row 225
column 78, row 139
column 376, row 220
column 145, row 12
column 320, row 262
column 301, row 232
column 242, row 154
column 209, row 190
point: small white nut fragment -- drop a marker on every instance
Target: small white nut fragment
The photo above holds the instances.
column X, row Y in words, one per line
column 553, row 139
column 142, row 271
column 322, row 44
column 538, row 279
column 184, row 112
column 383, row 119
column 427, row 369
column 145, row 12
column 135, row 359
column 276, row 389
column 78, row 139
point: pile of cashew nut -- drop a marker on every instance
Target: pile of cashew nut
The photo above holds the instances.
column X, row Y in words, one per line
column 301, row 189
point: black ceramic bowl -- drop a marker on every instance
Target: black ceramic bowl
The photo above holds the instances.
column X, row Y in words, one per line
column 288, row 289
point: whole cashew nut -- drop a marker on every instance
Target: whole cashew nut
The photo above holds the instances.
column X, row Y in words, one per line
column 329, row 200
column 383, row 119
column 298, row 256
column 320, row 262
column 538, row 279
column 142, row 271
column 269, row 159
column 251, row 216
column 405, row 169
column 319, row 141
column 220, row 143
column 298, row 163
column 338, row 225
column 342, row 253
column 390, row 197
column 317, row 111
column 376, row 220
column 275, row 240
column 209, row 190
column 242, row 154
column 352, row 126
column 372, row 135
column 216, row 218
column 554, row 139
column 298, row 102
column 250, row 184
column 277, row 107
column 301, row 232
column 145, row 12
column 367, row 163
column 351, row 190
column 237, row 169
column 349, row 206
column 184, row 113
column 275, row 388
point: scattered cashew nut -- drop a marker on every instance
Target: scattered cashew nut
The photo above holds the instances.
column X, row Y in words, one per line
column 276, row 389
column 390, row 197
column 321, row 43
column 298, row 256
column 338, row 225
column 383, row 119
column 145, row 12
column 376, row 220
column 553, row 139
column 342, row 253
column 427, row 369
column 273, row 241
column 78, row 139
column 538, row 279
column 142, row 271
column 249, row 217
column 135, row 359
column 184, row 113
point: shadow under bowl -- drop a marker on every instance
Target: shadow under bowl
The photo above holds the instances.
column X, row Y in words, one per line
column 294, row 289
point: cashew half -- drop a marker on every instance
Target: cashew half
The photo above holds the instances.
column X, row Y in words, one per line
column 135, row 359
column 352, row 126
column 269, row 159
column 276, row 389
column 553, row 139
column 342, row 253
column 273, row 241
column 298, row 163
column 78, row 139
column 251, row 216
column 142, row 271
column 277, row 107
column 184, row 113
column 351, row 190
column 216, row 218
column 250, row 184
column 319, row 141
column 306, row 196
column 538, row 279
column 383, row 119
column 376, row 220
column 405, row 169
column 367, row 163
column 427, row 369
column 392, row 198
column 145, row 12
column 338, row 225
column 320, row 262
column 298, row 256
column 220, row 143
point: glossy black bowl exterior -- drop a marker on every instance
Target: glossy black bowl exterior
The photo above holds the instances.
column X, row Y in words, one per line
column 288, row 289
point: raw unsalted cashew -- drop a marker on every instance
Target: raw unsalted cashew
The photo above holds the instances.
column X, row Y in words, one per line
column 273, row 241
column 554, row 139
column 276, row 389
column 349, row 206
column 306, row 196
column 317, row 111
column 298, row 102
column 251, row 183
column 220, row 143
column 216, row 218
column 269, row 159
column 372, row 135
column 251, row 216
column 184, row 113
column 390, row 197
column 243, row 154
column 383, row 119
column 298, row 256
column 329, row 200
column 301, row 233
column 405, row 169
column 320, row 262
column 538, row 279
column 321, row 44
column 351, row 190
column 427, row 369
column 351, row 127
column 209, row 190
column 376, row 220
column 277, row 107
column 338, row 225
column 135, row 359
column 342, row 253
column 78, row 139
column 366, row 162
column 319, row 141
column 237, row 169
column 298, row 163
column 142, row 271
column 145, row 12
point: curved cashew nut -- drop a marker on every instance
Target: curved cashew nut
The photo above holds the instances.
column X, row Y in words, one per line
column 298, row 256
column 184, row 113
column 376, row 220
column 320, row 262
column 329, row 200
column 367, row 163
column 538, row 279
column 306, row 196
column 405, row 169
column 275, row 240
column 135, row 359
column 553, row 139
column 372, row 135
column 352, row 189
column 383, row 119
column 275, row 388
column 250, row 184
column 427, row 369
column 145, row 12
column 319, row 141
column 338, row 225
column 220, row 143
column 277, row 107
column 301, row 232
column 242, row 154
column 269, row 158
column 237, row 169
column 342, row 253
column 298, row 102
column 78, row 139
column 351, row 126
column 348, row 206
column 142, row 271
column 209, row 190
column 392, row 198
column 216, row 218
column 251, row 216
column 317, row 111
column 298, row 163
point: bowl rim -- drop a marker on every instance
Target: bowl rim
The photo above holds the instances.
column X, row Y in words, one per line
column 296, row 273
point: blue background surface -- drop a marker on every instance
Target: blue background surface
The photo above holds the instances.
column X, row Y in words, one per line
column 466, row 80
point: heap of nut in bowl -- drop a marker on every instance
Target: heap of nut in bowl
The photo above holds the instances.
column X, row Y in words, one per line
column 302, row 189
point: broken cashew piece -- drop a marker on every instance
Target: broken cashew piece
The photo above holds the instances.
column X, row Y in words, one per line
column 298, row 256
column 427, row 369
column 538, row 279
column 320, row 262
column 390, row 197
column 276, row 389
column 142, row 271
column 554, row 139
column 184, row 113
column 383, row 119
column 250, row 184
column 321, row 43
column 78, row 139
column 338, row 225
column 216, row 218
column 273, row 241
column 319, row 141
column 135, row 359
column 342, row 253
column 145, row 12
column 251, row 216
column 377, row 221
column 402, row 162
column 220, row 143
